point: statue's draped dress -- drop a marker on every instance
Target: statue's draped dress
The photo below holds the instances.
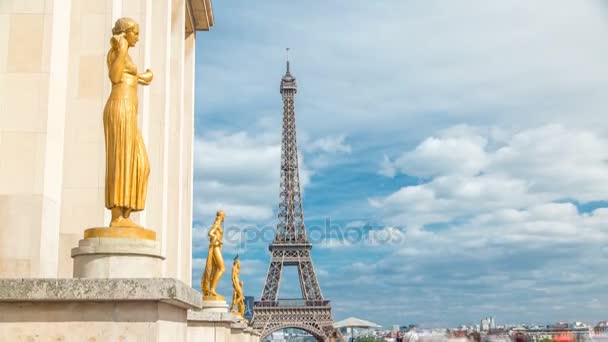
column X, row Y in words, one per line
column 127, row 164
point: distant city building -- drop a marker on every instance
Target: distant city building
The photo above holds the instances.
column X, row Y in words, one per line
column 489, row 331
column 559, row 332
column 601, row 328
column 487, row 324
column 249, row 307
column 277, row 336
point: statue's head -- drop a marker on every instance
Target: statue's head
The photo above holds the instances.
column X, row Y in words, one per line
column 129, row 28
column 220, row 215
column 236, row 261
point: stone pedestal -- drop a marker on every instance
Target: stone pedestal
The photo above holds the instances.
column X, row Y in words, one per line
column 237, row 332
column 252, row 335
column 102, row 257
column 210, row 326
column 213, row 322
column 96, row 310
column 219, row 306
column 204, row 325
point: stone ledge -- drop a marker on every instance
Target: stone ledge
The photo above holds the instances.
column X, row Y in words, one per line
column 202, row 13
column 216, row 317
column 252, row 331
column 239, row 325
column 117, row 246
column 166, row 290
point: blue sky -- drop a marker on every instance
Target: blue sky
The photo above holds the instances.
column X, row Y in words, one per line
column 464, row 143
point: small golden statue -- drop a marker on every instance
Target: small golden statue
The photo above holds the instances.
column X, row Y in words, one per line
column 127, row 164
column 214, row 268
column 238, row 299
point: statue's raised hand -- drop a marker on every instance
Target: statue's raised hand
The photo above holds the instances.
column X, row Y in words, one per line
column 119, row 42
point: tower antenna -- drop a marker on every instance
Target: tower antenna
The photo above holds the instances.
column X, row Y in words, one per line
column 287, row 58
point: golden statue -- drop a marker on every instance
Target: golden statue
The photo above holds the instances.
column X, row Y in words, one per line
column 238, row 299
column 127, row 165
column 214, row 268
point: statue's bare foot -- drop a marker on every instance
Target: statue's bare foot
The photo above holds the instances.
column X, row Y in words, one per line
column 124, row 222
column 117, row 222
column 127, row 222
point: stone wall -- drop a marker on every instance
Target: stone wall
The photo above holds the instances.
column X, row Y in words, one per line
column 53, row 86
column 154, row 309
column 218, row 327
column 145, row 321
column 95, row 309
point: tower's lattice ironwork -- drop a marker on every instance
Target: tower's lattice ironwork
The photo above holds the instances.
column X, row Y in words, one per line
column 290, row 246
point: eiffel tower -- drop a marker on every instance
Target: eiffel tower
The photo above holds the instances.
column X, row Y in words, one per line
column 311, row 312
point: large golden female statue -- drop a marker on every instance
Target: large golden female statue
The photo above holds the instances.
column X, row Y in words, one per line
column 127, row 165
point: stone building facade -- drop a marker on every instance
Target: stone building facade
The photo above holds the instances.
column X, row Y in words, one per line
column 53, row 86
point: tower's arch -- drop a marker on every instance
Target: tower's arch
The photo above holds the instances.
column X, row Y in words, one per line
column 311, row 329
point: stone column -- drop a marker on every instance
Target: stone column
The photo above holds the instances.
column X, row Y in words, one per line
column 187, row 177
column 34, row 38
column 172, row 223
column 83, row 162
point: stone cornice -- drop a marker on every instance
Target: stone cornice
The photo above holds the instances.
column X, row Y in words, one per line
column 166, row 290
column 201, row 12
column 205, row 316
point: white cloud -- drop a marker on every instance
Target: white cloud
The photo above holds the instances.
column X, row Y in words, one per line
column 356, row 224
column 387, row 167
column 198, row 266
column 329, row 144
column 532, row 258
column 334, row 243
column 253, row 267
column 200, row 241
column 504, row 229
column 455, row 155
column 386, row 236
column 563, row 161
column 450, row 197
column 238, row 173
column 419, row 66
column 324, row 151
column 530, row 167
